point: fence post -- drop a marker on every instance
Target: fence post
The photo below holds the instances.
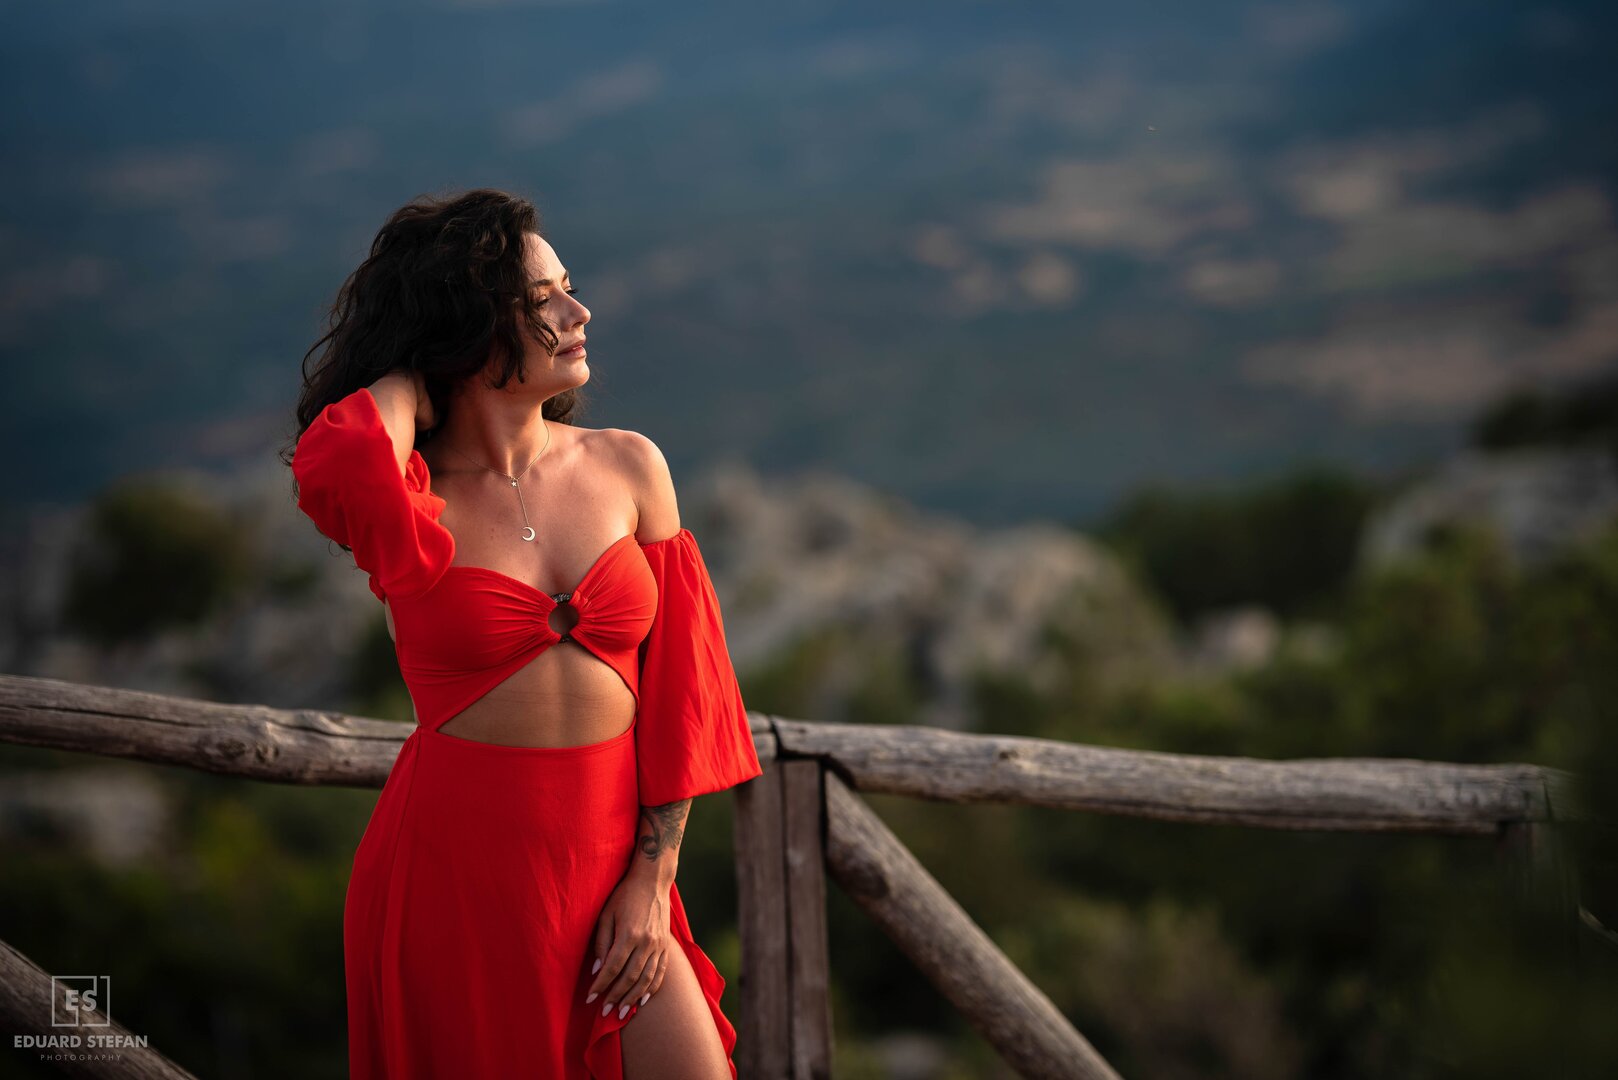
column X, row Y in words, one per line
column 785, row 1019
column 1544, row 885
column 809, row 965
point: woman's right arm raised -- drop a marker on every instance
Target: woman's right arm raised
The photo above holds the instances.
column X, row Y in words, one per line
column 357, row 483
column 401, row 398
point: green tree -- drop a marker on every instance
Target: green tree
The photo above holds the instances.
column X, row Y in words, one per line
column 152, row 556
column 1289, row 543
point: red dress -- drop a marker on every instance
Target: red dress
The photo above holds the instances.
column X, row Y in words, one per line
column 470, row 915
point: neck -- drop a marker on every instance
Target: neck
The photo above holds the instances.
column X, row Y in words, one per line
column 496, row 430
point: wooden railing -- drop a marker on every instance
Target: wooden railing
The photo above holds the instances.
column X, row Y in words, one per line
column 804, row 817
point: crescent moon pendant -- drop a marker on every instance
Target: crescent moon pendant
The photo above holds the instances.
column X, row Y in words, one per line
column 528, row 532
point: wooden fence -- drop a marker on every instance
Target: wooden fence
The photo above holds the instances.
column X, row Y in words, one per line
column 804, row 817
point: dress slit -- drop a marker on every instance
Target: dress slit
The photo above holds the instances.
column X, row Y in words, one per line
column 471, row 912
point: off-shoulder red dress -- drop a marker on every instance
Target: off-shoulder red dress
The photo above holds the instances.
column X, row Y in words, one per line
column 470, row 913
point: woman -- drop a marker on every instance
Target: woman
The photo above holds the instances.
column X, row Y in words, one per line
column 512, row 909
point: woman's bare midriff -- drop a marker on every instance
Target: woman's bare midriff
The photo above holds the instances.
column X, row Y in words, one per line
column 563, row 697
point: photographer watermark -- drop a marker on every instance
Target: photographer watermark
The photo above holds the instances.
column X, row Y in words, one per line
column 77, row 1000
column 82, row 1003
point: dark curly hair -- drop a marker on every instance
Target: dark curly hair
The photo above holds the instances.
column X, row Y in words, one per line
column 444, row 292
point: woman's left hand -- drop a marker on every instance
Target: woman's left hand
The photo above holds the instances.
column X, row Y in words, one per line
column 631, row 944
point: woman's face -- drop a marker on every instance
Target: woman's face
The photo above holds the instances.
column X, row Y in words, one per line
column 552, row 290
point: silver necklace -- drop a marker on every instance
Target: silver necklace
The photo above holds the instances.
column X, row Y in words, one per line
column 527, row 530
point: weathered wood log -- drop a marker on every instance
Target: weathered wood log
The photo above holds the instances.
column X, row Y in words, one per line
column 1540, row 869
column 803, row 799
column 289, row 746
column 26, row 1009
column 1542, row 876
column 1355, row 794
column 764, row 1027
column 881, row 875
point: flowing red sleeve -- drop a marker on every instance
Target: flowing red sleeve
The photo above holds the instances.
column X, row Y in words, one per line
column 691, row 735
column 350, row 486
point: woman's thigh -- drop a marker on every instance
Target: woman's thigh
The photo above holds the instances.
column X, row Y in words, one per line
column 672, row 1036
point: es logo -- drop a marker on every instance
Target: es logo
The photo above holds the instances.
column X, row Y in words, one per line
column 81, row 1000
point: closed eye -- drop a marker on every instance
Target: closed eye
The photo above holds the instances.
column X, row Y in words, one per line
column 546, row 300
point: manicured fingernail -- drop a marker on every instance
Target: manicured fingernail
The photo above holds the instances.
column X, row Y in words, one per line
column 592, row 997
column 623, row 1012
column 644, row 997
column 596, row 968
column 607, row 1008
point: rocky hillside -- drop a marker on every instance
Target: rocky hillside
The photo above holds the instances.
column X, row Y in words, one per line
column 1539, row 499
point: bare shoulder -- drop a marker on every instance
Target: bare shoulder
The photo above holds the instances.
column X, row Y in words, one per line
column 641, row 463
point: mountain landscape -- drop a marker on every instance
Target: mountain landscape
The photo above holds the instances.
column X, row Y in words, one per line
column 1005, row 263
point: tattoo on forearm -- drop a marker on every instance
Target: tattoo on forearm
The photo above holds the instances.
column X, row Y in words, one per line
column 661, row 828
